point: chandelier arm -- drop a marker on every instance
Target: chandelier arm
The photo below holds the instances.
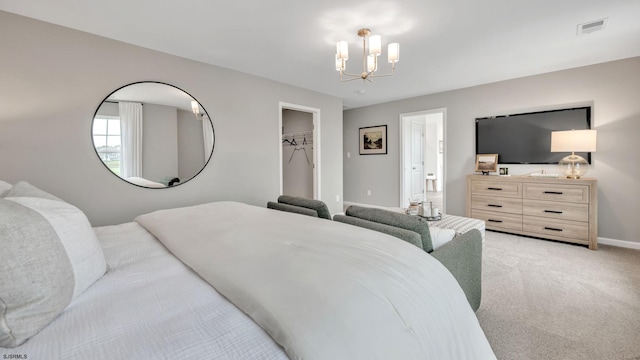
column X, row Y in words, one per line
column 355, row 78
column 393, row 68
column 359, row 76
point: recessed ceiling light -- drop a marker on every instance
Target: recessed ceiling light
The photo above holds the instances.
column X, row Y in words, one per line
column 592, row 26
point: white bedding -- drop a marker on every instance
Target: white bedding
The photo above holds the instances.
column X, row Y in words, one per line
column 322, row 289
column 148, row 306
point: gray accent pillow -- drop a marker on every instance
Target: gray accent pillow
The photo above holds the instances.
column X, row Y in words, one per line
column 50, row 255
column 4, row 188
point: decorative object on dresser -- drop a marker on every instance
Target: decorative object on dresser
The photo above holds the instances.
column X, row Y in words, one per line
column 556, row 209
column 486, row 163
column 573, row 166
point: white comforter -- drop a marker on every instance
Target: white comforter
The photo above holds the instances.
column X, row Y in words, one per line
column 322, row 289
column 147, row 306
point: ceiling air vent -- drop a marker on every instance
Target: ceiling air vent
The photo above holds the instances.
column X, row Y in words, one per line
column 592, row 26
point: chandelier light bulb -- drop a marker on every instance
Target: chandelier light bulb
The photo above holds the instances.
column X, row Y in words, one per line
column 393, row 53
column 339, row 63
column 371, row 63
column 342, row 50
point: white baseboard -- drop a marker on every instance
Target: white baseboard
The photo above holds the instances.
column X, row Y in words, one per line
column 619, row 243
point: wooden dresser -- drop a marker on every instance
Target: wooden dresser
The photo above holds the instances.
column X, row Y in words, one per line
column 551, row 208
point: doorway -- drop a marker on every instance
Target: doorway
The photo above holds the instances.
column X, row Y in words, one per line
column 422, row 162
column 299, row 151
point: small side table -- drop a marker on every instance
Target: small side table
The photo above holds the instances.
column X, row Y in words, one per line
column 432, row 178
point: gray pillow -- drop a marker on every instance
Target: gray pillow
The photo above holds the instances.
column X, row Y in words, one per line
column 50, row 255
column 4, row 187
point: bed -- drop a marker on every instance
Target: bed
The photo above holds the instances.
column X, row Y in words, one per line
column 228, row 280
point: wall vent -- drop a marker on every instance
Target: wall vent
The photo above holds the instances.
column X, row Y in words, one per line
column 592, row 26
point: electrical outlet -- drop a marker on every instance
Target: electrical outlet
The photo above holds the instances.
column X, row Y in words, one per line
column 348, row 154
column 337, row 198
column 368, row 192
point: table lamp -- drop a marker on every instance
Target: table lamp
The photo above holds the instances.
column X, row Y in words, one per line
column 573, row 166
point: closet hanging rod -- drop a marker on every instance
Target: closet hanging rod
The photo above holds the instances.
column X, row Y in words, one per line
column 310, row 132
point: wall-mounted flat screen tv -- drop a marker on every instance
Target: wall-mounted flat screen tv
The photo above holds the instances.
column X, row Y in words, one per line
column 526, row 138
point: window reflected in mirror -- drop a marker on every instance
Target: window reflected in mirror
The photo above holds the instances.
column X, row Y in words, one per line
column 153, row 135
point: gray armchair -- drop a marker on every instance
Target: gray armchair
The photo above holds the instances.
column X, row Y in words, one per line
column 462, row 256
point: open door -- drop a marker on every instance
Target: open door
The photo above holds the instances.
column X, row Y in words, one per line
column 422, row 157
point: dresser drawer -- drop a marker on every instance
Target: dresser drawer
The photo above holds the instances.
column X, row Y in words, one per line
column 498, row 221
column 556, row 192
column 556, row 210
column 496, row 203
column 570, row 230
column 497, row 188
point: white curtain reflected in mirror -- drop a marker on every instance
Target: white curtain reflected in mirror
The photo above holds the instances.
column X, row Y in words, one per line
column 131, row 132
column 148, row 134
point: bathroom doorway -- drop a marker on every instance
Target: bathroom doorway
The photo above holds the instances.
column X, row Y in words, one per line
column 422, row 170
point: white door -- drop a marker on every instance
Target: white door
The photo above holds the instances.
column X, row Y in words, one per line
column 417, row 160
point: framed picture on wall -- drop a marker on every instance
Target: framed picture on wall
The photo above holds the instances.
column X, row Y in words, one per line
column 486, row 163
column 373, row 140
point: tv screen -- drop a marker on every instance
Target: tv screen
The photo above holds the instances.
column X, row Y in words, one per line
column 526, row 138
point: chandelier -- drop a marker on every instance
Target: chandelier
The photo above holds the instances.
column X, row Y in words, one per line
column 369, row 62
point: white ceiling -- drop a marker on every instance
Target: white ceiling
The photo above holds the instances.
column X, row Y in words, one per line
column 444, row 44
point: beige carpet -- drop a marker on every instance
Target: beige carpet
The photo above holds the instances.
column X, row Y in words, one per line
column 549, row 300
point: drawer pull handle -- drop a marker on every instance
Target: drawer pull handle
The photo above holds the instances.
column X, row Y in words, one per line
column 494, row 205
column 553, row 211
column 553, row 192
column 496, row 221
column 552, row 229
column 494, row 188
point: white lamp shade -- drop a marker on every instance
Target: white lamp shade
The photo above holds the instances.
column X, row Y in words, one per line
column 339, row 66
column 195, row 107
column 342, row 50
column 573, row 140
column 393, row 53
column 371, row 63
column 375, row 45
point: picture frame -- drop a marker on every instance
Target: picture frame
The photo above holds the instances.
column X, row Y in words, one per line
column 486, row 163
column 373, row 140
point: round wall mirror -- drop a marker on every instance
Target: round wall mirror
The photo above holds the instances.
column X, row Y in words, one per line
column 152, row 135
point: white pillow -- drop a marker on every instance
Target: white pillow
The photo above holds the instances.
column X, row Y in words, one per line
column 50, row 256
column 4, row 187
column 440, row 236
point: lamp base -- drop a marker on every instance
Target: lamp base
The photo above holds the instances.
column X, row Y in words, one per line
column 573, row 166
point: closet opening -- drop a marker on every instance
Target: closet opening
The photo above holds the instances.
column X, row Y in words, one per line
column 299, row 151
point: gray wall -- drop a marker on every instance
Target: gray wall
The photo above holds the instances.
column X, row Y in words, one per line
column 611, row 88
column 159, row 142
column 54, row 78
column 190, row 145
